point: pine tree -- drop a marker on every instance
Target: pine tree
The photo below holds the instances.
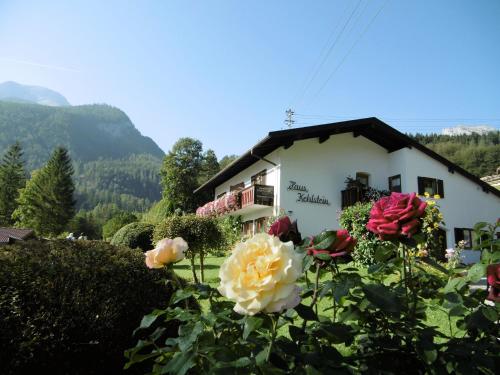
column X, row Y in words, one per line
column 46, row 204
column 12, row 178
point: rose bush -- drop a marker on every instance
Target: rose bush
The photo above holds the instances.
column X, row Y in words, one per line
column 260, row 275
column 396, row 215
column 349, row 321
column 493, row 279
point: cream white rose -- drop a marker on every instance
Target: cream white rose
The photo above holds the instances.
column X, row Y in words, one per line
column 260, row 275
column 166, row 251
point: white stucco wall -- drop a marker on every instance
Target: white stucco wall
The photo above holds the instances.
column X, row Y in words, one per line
column 323, row 168
column 464, row 202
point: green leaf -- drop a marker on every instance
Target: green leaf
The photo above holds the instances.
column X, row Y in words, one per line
column 458, row 310
column 251, row 324
column 180, row 363
column 324, row 240
column 324, row 257
column 147, row 320
column 240, row 362
column 382, row 253
column 181, row 295
column 305, row 312
column 188, row 335
column 490, row 314
column 454, row 284
column 261, row 357
column 479, row 226
column 476, row 272
column 307, row 263
column 382, row 297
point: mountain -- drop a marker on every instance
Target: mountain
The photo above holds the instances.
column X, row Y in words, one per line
column 113, row 162
column 468, row 130
column 15, row 92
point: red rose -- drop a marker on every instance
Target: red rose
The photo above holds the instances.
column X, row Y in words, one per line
column 286, row 230
column 493, row 279
column 280, row 226
column 396, row 215
column 342, row 245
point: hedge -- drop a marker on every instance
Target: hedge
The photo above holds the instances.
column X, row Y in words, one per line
column 71, row 307
column 135, row 235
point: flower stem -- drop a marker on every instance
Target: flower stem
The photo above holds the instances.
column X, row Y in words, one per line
column 274, row 323
column 315, row 293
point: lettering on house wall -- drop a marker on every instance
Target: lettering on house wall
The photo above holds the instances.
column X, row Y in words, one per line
column 304, row 196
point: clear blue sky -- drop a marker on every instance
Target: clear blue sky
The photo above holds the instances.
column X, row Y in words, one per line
column 225, row 71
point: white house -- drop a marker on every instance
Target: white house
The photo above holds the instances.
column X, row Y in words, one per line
column 303, row 171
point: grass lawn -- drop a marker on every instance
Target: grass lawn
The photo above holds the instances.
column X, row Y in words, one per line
column 212, row 264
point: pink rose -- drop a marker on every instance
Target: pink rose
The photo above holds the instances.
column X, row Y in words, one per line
column 343, row 245
column 396, row 215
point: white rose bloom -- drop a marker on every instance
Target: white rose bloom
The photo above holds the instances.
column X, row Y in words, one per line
column 260, row 275
column 166, row 251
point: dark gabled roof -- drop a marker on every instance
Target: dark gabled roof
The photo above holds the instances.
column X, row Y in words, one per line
column 371, row 128
column 8, row 234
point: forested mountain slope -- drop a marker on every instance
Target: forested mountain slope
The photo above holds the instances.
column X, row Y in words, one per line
column 113, row 162
column 476, row 153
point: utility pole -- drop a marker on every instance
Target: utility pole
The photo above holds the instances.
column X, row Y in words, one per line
column 289, row 121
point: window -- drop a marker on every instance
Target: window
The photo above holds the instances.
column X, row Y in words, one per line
column 363, row 178
column 395, row 183
column 468, row 235
column 431, row 186
column 247, row 228
column 259, row 178
column 260, row 225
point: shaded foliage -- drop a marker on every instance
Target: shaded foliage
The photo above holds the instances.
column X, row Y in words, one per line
column 135, row 235
column 70, row 307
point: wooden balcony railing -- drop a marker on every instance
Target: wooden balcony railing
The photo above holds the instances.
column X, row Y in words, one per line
column 257, row 194
column 353, row 195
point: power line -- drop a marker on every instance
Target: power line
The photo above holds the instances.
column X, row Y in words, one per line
column 350, row 50
column 325, row 57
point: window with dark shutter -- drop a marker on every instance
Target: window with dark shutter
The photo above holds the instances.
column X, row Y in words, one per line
column 395, row 183
column 466, row 235
column 431, row 186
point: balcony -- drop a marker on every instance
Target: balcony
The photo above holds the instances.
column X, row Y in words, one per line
column 353, row 195
column 256, row 197
column 253, row 198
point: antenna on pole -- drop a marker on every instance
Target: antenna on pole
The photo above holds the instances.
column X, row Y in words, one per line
column 289, row 121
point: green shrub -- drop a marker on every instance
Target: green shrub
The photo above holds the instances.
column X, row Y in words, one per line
column 354, row 219
column 230, row 228
column 201, row 233
column 135, row 235
column 70, row 307
column 115, row 223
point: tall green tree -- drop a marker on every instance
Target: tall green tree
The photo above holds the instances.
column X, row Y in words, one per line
column 209, row 166
column 226, row 160
column 180, row 174
column 12, row 178
column 46, row 204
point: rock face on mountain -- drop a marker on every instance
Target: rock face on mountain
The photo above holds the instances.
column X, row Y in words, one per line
column 15, row 92
column 468, row 130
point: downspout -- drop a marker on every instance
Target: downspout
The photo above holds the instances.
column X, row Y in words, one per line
column 262, row 158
